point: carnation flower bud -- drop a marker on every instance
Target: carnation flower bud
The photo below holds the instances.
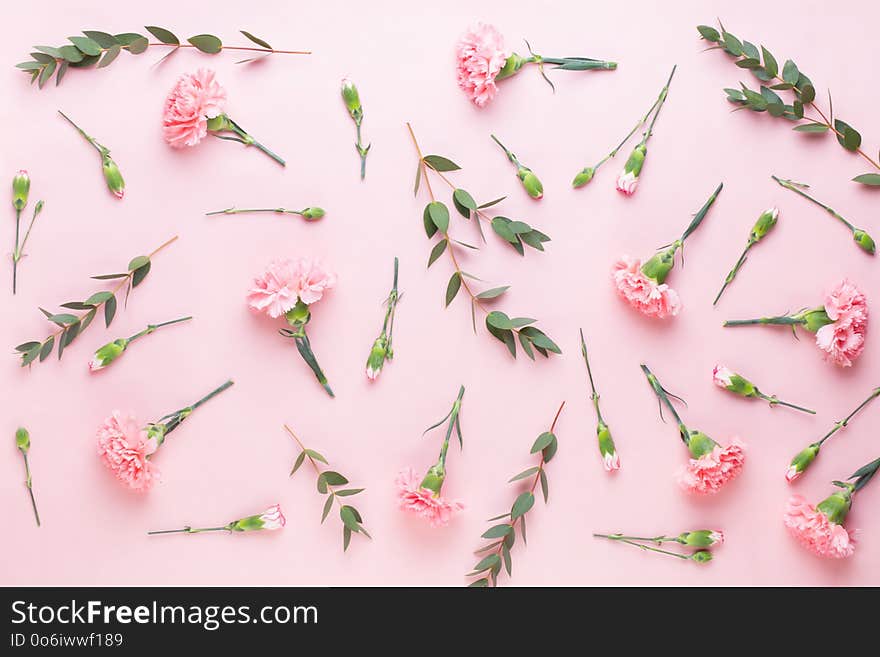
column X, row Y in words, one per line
column 801, row 462
column 22, row 440
column 271, row 518
column 112, row 176
column 530, row 183
column 585, row 176
column 107, row 354
column 376, row 359
column 864, row 240
column 610, row 458
column 764, row 224
column 836, row 506
column 352, row 98
column 701, row 538
column 311, row 214
column 21, row 187
column 701, row 556
column 729, row 380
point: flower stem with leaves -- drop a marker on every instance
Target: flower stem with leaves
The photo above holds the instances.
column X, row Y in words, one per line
column 607, row 450
column 352, row 100
column 21, row 186
column 352, row 522
column 504, row 534
column 526, row 176
column 112, row 175
column 23, row 443
column 383, row 348
column 517, row 233
column 763, row 225
column 311, row 213
column 72, row 325
column 160, row 429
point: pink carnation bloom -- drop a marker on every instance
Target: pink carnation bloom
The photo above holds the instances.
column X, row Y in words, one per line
column 844, row 340
column 195, row 98
column 846, row 301
column 273, row 518
column 627, row 182
column 815, row 532
column 437, row 510
column 721, row 376
column 611, row 462
column 711, row 471
column 277, row 290
column 123, row 447
column 792, row 473
column 481, row 55
column 642, row 293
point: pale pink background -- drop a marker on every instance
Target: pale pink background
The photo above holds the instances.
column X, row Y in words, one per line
column 232, row 458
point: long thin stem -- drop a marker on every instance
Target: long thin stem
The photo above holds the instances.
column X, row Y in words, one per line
column 37, row 209
column 661, row 100
column 101, row 149
column 248, row 140
column 244, row 210
column 774, row 401
column 641, row 546
column 393, row 296
column 663, row 396
column 16, row 251
column 797, row 189
column 453, row 420
column 629, row 135
column 510, row 156
column 595, row 395
column 733, row 272
column 779, row 320
column 649, row 539
column 30, row 487
column 152, row 327
column 189, row 530
column 212, row 394
column 840, row 425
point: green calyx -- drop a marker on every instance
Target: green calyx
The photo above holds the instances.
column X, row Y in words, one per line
column 298, row 315
column 814, row 319
column 606, row 442
column 21, row 186
column 377, row 356
column 763, row 225
column 836, row 506
column 636, row 160
column 110, row 352
column 219, row 123
column 660, row 264
column 157, row 432
column 530, row 183
column 583, row 177
column 112, row 175
column 742, row 386
column 803, row 458
column 433, row 480
column 312, row 213
column 511, row 67
column 22, row 440
column 701, row 556
column 699, row 444
column 352, row 99
column 865, row 242
column 701, row 538
column 251, row 523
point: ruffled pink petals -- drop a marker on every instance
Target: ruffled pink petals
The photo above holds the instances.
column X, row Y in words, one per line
column 721, row 376
column 709, row 473
column 195, row 98
column 815, row 532
column 124, row 448
column 273, row 518
column 844, row 340
column 792, row 473
column 642, row 293
column 314, row 280
column 611, row 462
column 285, row 281
column 437, row 510
column 627, row 182
column 480, row 56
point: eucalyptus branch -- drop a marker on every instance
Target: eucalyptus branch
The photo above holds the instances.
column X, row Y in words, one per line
column 488, row 568
column 517, row 233
column 352, row 522
column 72, row 325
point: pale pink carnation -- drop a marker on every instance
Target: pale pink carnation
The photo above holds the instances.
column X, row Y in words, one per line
column 276, row 290
column 611, row 462
column 846, row 301
column 124, row 448
column 642, row 293
column 844, row 340
column 195, row 98
column 721, row 376
column 707, row 474
column 412, row 497
column 627, row 182
column 481, row 55
column 815, row 532
column 273, row 518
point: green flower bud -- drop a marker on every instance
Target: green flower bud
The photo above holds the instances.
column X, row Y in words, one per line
column 433, row 480
column 701, row 538
column 764, row 225
column 864, row 241
column 377, row 356
column 511, row 67
column 701, row 556
column 352, row 99
column 311, row 214
column 107, row 354
column 836, row 506
column 636, row 160
column 660, row 264
column 801, row 462
column 21, row 187
column 530, row 182
column 585, row 176
column 22, row 440
column 112, row 176
column 699, row 444
column 610, row 458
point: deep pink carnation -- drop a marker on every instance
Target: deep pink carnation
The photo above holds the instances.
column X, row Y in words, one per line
column 412, row 497
column 195, row 98
column 276, row 290
column 844, row 340
column 815, row 532
column 124, row 447
column 480, row 56
column 642, row 293
column 711, row 471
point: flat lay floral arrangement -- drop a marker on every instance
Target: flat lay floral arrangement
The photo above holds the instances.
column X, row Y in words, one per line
column 479, row 241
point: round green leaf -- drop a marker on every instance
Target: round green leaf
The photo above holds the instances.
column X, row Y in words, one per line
column 207, row 43
column 439, row 214
column 86, row 45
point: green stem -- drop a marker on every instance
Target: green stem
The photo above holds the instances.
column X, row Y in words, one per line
column 152, row 327
column 629, row 135
column 30, row 487
column 774, row 401
column 101, row 149
column 510, row 156
column 655, row 549
column 393, row 296
column 779, row 320
column 248, row 140
column 660, row 100
column 662, row 395
column 360, row 147
column 304, row 346
column 16, row 254
column 211, row 394
column 789, row 184
column 701, row 214
column 190, row 530
column 243, row 210
column 733, row 272
column 594, row 396
column 649, row 539
column 840, row 425
column 453, row 418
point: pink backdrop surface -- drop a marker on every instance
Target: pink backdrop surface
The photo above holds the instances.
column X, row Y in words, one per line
column 232, row 459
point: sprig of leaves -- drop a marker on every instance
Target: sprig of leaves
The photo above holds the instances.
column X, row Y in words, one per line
column 72, row 324
column 787, row 78
column 352, row 522
column 436, row 219
column 503, row 535
column 100, row 49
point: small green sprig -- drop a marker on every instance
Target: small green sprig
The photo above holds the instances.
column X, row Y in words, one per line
column 23, row 443
column 21, row 186
column 436, row 221
column 763, row 225
column 311, row 213
column 765, row 68
column 99, row 49
column 860, row 237
column 701, row 539
column 526, row 176
column 503, row 535
column 112, row 176
column 352, row 100
column 72, row 325
column 383, row 349
column 352, row 522
column 607, row 450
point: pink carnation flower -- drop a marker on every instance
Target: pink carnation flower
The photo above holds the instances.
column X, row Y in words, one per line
column 277, row 290
column 481, row 55
column 707, row 474
column 124, row 448
column 412, row 497
column 721, row 376
column 844, row 340
column 273, row 518
column 195, row 98
column 611, row 462
column 642, row 293
column 627, row 182
column 815, row 532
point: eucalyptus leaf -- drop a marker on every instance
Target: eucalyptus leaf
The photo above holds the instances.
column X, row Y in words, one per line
column 522, row 505
column 111, row 54
column 257, row 40
column 871, row 179
column 101, row 38
column 493, row 292
column 453, row 287
column 165, row 36
column 440, row 163
column 206, row 43
column 439, row 214
column 437, row 251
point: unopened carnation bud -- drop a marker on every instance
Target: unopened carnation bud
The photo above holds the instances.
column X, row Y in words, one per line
column 610, row 457
column 352, row 98
column 22, row 440
column 801, row 462
column 311, row 214
column 376, row 359
column 730, row 380
column 865, row 242
column 701, row 538
column 113, row 177
column 764, row 224
column 21, row 187
column 583, row 177
column 628, row 179
column 271, row 518
column 701, row 556
column 107, row 354
column 530, row 183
